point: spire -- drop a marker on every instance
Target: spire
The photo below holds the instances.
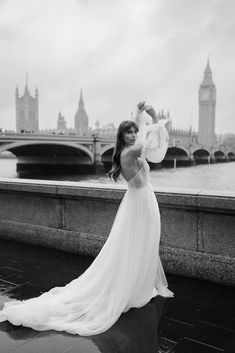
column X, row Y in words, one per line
column 81, row 102
column 208, row 68
column 26, row 91
column 81, row 121
column 60, row 116
column 207, row 80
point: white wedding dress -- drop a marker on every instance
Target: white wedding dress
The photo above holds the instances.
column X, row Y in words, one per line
column 126, row 273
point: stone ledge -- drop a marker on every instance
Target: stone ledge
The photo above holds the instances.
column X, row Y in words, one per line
column 197, row 227
column 177, row 261
column 61, row 239
column 200, row 265
column 203, row 199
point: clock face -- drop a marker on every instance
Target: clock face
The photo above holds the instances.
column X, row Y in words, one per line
column 204, row 95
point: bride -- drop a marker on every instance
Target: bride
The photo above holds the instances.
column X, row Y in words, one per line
column 127, row 272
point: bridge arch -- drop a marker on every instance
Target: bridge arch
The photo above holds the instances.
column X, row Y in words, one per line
column 220, row 156
column 201, row 155
column 106, row 156
column 231, row 156
column 106, row 148
column 176, row 155
column 201, row 149
column 178, row 150
column 18, row 146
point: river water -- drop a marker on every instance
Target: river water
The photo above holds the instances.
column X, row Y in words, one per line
column 219, row 176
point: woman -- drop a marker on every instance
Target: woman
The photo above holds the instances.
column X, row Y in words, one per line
column 126, row 273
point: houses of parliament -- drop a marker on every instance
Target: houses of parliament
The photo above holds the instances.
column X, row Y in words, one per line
column 27, row 113
column 27, row 117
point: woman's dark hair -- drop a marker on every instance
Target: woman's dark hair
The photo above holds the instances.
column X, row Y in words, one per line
column 120, row 144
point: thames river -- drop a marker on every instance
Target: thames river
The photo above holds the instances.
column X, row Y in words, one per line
column 219, row 176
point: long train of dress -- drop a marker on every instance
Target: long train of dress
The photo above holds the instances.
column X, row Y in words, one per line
column 126, row 273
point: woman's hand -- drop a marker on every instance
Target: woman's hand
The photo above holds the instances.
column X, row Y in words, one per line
column 151, row 111
column 141, row 105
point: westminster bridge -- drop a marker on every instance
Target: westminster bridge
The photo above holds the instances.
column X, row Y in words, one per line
column 41, row 153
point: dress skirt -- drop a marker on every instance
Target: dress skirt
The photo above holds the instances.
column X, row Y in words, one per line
column 126, row 273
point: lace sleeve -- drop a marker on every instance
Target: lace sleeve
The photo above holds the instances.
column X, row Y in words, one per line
column 157, row 140
column 141, row 122
column 145, row 149
column 154, row 137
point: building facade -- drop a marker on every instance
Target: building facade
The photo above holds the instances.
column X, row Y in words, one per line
column 105, row 130
column 81, row 121
column 27, row 111
column 178, row 136
column 61, row 124
column 207, row 102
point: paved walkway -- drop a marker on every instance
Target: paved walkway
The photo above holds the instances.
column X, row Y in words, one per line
column 199, row 319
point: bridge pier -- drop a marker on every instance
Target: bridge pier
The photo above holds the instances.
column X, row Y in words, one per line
column 192, row 160
column 98, row 165
column 212, row 157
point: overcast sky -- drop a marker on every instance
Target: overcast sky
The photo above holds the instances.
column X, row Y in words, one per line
column 119, row 52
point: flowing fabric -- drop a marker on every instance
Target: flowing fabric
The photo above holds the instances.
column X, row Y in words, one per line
column 154, row 137
column 126, row 273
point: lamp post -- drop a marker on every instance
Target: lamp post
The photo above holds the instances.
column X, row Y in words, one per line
column 98, row 165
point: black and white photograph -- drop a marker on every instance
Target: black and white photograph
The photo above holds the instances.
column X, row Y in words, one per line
column 117, row 176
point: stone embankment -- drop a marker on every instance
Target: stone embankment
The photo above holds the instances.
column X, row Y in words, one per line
column 198, row 226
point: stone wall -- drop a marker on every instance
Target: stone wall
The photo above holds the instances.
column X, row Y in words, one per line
column 198, row 227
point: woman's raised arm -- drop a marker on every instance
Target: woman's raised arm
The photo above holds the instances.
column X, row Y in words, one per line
column 151, row 111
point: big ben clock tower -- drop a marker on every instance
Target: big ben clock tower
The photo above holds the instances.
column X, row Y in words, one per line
column 207, row 101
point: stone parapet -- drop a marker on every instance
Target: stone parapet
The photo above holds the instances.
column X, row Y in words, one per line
column 198, row 226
